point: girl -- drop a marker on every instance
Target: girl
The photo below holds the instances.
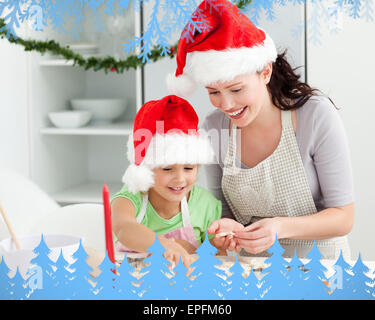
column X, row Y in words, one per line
column 159, row 195
column 286, row 168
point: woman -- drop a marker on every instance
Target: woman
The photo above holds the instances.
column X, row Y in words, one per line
column 283, row 166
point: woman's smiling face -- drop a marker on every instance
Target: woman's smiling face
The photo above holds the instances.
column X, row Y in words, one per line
column 242, row 98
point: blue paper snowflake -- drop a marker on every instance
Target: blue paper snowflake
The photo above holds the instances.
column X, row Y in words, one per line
column 169, row 17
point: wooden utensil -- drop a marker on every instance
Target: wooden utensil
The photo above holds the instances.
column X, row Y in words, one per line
column 10, row 229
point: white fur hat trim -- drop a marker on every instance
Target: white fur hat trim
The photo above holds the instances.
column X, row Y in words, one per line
column 164, row 150
column 208, row 67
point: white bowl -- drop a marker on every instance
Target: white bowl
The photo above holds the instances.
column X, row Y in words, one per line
column 70, row 119
column 56, row 243
column 103, row 110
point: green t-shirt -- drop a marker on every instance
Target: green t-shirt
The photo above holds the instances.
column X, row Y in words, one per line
column 203, row 208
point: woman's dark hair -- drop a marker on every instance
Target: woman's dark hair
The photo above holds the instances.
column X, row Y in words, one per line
column 287, row 91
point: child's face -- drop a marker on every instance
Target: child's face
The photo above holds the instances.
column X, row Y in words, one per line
column 175, row 181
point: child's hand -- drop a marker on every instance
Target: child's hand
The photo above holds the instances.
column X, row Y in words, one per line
column 174, row 251
column 224, row 225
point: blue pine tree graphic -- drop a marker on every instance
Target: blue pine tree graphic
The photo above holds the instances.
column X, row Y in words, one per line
column 207, row 283
column 355, row 9
column 181, row 287
column 110, row 7
column 314, row 27
column 158, row 284
column 18, row 288
column 4, row 280
column 224, row 284
column 140, row 285
column 296, row 279
column 62, row 278
column 274, row 280
column 105, row 288
column 80, row 287
column 238, row 284
column 139, row 275
column 253, row 287
column 315, row 282
column 126, row 291
column 35, row 14
column 340, row 280
column 13, row 17
column 368, row 11
column 360, row 282
column 167, row 17
column 153, row 31
column 46, row 264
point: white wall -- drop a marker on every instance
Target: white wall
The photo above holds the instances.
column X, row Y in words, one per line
column 14, row 141
column 343, row 67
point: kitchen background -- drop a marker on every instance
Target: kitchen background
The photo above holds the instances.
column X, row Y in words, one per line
column 72, row 165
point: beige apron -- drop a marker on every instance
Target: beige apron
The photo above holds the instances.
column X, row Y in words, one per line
column 276, row 187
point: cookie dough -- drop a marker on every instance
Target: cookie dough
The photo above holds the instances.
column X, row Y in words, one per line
column 224, row 234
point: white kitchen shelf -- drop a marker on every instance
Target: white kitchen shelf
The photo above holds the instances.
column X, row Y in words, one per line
column 56, row 63
column 88, row 192
column 64, row 62
column 71, row 164
column 113, row 129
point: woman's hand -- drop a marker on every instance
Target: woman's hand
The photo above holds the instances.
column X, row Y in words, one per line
column 224, row 225
column 259, row 236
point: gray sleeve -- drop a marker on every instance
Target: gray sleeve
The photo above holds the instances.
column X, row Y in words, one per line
column 214, row 172
column 331, row 156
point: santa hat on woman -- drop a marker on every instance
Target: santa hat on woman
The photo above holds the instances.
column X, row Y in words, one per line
column 165, row 133
column 228, row 45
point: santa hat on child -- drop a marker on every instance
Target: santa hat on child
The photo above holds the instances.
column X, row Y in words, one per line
column 165, row 132
column 231, row 45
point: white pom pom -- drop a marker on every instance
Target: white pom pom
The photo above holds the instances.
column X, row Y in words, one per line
column 138, row 178
column 181, row 86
